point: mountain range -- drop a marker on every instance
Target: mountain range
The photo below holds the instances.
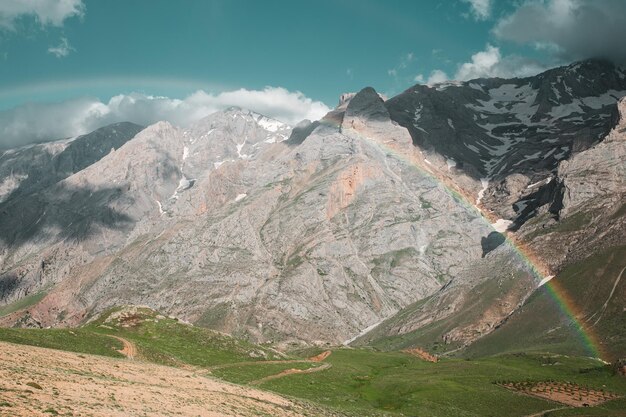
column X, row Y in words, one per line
column 434, row 219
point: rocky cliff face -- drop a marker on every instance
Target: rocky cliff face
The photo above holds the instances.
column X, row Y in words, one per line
column 587, row 213
column 319, row 233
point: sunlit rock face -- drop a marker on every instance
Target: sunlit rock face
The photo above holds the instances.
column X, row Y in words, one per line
column 320, row 232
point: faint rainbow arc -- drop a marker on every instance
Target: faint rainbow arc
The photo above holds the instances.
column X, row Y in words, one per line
column 559, row 295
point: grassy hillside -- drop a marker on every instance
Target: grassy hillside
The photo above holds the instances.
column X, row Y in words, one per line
column 169, row 341
column 541, row 325
column 356, row 382
column 71, row 340
column 482, row 298
column 364, row 382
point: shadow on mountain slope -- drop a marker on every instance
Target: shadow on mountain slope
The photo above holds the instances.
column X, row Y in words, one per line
column 63, row 212
column 40, row 167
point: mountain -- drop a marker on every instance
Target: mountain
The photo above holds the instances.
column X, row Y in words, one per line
column 382, row 222
column 32, row 168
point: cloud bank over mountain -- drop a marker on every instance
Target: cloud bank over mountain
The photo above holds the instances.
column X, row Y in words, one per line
column 570, row 29
column 561, row 31
column 37, row 122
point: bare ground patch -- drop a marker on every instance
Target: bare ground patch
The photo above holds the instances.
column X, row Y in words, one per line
column 78, row 384
column 562, row 392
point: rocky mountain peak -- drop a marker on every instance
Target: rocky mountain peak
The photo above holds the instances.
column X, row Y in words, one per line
column 343, row 228
column 367, row 104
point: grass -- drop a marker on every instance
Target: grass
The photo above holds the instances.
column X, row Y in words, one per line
column 569, row 224
column 169, row 342
column 22, row 303
column 541, row 325
column 429, row 336
column 243, row 374
column 364, row 382
column 75, row 340
column 360, row 382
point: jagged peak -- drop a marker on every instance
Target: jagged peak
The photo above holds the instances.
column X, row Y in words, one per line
column 158, row 127
column 233, row 112
column 369, row 104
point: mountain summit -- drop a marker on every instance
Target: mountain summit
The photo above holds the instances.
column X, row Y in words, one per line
column 386, row 217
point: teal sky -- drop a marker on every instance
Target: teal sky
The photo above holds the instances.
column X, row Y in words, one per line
column 165, row 47
column 70, row 66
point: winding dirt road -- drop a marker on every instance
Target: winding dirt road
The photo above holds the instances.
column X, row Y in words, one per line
column 287, row 372
column 312, row 360
column 129, row 349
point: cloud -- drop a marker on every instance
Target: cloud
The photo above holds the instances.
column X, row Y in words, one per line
column 47, row 12
column 436, row 77
column 405, row 61
column 62, row 50
column 481, row 9
column 570, row 29
column 39, row 122
column 489, row 64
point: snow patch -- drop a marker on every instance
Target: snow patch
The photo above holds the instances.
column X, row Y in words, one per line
column 485, row 183
column 363, row 332
column 240, row 147
column 160, row 207
column 544, row 182
column 270, row 124
column 545, row 280
column 501, row 225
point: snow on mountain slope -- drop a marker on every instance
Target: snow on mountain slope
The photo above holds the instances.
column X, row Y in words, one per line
column 314, row 234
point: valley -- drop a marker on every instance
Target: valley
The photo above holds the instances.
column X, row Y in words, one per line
column 202, row 363
column 454, row 250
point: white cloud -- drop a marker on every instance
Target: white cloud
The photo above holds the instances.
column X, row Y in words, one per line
column 481, row 9
column 569, row 29
column 42, row 122
column 62, row 50
column 484, row 64
column 403, row 64
column 47, row 12
column 490, row 63
column 436, row 77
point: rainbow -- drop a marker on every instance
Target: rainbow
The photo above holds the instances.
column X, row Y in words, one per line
column 102, row 87
column 540, row 273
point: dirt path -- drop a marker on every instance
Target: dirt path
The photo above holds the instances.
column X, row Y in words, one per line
column 544, row 412
column 312, row 359
column 129, row 350
column 291, row 372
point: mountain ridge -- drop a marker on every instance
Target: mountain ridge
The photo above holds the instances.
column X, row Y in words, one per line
column 313, row 234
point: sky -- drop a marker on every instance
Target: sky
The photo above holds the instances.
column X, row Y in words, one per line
column 70, row 66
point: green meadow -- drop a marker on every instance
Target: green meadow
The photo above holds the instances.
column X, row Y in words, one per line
column 354, row 382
